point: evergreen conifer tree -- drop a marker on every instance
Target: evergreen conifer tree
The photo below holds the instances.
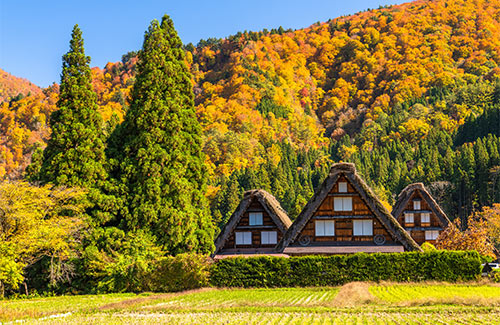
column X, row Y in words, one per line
column 74, row 155
column 158, row 148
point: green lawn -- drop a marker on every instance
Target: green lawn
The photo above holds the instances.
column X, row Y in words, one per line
column 356, row 303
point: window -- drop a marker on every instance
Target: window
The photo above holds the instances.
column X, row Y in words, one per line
column 243, row 238
column 342, row 187
column 342, row 204
column 255, row 218
column 268, row 237
column 425, row 217
column 362, row 227
column 409, row 218
column 325, row 228
column 416, row 205
column 431, row 234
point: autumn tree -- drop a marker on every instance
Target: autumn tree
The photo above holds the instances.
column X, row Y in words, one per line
column 474, row 237
column 37, row 222
column 158, row 147
column 491, row 216
column 74, row 155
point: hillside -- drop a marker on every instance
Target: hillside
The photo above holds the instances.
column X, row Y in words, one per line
column 11, row 86
column 387, row 89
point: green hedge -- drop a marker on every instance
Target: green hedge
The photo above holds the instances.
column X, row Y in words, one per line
column 339, row 269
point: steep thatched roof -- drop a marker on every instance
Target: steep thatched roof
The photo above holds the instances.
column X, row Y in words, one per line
column 406, row 195
column 271, row 206
column 374, row 204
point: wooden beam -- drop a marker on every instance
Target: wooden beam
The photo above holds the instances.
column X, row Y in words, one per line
column 344, row 217
column 422, row 228
column 343, row 249
column 255, row 227
column 417, row 211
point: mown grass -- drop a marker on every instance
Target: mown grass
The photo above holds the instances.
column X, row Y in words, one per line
column 354, row 303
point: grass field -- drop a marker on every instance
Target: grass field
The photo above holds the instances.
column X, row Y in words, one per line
column 354, row 303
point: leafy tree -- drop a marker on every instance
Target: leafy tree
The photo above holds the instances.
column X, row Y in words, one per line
column 74, row 155
column 158, row 146
column 117, row 261
column 474, row 237
column 491, row 215
column 37, row 222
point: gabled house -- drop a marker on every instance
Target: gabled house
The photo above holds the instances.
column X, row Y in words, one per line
column 345, row 216
column 420, row 215
column 255, row 227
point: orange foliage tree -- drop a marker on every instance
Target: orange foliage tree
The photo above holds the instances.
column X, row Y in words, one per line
column 483, row 229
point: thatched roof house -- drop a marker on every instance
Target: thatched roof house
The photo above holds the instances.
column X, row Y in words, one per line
column 255, row 227
column 420, row 215
column 345, row 216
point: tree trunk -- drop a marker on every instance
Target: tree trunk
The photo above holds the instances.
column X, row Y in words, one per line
column 26, row 288
column 2, row 289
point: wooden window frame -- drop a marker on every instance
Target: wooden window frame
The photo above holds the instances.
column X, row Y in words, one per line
column 427, row 215
column 321, row 224
column 363, row 225
column 431, row 237
column 343, row 200
column 244, row 234
column 254, row 214
column 407, row 215
column 267, row 236
column 343, row 188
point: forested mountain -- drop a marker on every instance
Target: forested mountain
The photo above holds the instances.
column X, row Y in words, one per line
column 408, row 92
column 14, row 87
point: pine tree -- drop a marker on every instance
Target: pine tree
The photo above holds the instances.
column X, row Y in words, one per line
column 482, row 171
column 74, row 155
column 159, row 149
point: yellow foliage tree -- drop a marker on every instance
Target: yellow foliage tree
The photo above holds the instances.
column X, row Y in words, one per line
column 37, row 222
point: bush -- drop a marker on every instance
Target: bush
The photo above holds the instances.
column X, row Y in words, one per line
column 119, row 262
column 181, row 272
column 339, row 269
column 428, row 247
column 495, row 275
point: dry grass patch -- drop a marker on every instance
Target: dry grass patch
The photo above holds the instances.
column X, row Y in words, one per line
column 353, row 294
column 149, row 299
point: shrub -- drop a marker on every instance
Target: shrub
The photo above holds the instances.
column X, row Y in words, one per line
column 181, row 272
column 119, row 262
column 339, row 269
column 495, row 275
column 428, row 247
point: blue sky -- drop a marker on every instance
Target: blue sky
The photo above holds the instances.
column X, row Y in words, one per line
column 35, row 34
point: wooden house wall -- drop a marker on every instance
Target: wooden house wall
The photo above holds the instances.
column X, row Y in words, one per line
column 419, row 235
column 344, row 226
column 244, row 226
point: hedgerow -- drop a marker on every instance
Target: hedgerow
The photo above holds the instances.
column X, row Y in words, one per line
column 267, row 271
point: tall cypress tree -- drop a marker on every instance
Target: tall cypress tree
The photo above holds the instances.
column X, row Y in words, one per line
column 74, row 155
column 158, row 147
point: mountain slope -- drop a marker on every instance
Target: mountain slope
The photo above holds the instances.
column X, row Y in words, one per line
column 11, row 86
column 389, row 78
